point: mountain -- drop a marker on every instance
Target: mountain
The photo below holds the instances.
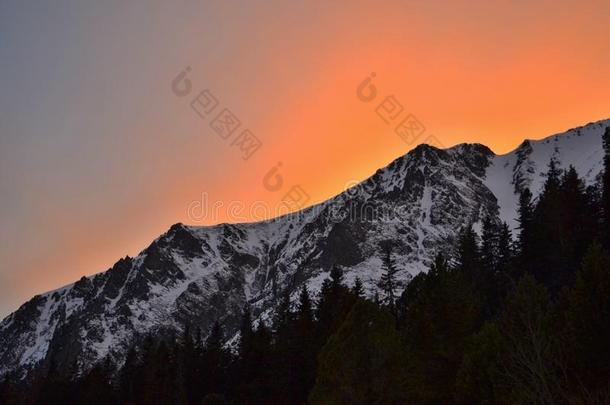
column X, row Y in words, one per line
column 196, row 275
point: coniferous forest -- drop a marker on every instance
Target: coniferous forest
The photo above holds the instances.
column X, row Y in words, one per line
column 519, row 318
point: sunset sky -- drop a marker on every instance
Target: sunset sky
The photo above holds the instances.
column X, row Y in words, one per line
column 98, row 156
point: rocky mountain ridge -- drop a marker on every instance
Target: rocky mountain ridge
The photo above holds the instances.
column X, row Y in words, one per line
column 196, row 275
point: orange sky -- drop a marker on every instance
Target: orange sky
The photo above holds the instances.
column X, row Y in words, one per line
column 98, row 156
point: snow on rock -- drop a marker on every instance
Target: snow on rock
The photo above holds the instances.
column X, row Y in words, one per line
column 527, row 165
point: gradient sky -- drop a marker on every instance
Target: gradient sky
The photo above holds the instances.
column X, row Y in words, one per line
column 98, row 156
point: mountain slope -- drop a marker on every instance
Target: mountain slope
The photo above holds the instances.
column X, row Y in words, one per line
column 195, row 275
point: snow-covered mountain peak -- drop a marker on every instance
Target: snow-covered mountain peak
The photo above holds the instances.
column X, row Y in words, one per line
column 198, row 274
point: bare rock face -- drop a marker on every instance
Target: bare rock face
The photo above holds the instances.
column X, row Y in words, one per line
column 197, row 275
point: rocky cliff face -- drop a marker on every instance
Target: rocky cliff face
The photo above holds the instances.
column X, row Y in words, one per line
column 196, row 275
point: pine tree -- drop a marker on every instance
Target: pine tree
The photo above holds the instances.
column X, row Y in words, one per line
column 284, row 349
column 489, row 245
column 505, row 249
column 358, row 288
column 606, row 189
column 539, row 255
column 593, row 198
column 260, row 389
column 552, row 177
column 505, row 275
column 439, row 265
column 246, row 333
column 214, row 361
column 304, row 308
column 526, row 215
column 387, row 283
column 495, row 255
column 188, row 365
column 199, row 343
column 468, row 258
column 254, row 362
column 283, row 314
column 334, row 301
column 562, row 227
column 305, row 349
column 419, row 285
column 336, row 277
column 577, row 222
column 325, row 308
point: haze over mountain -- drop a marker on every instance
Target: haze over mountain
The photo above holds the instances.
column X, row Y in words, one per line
column 197, row 275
